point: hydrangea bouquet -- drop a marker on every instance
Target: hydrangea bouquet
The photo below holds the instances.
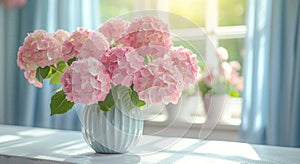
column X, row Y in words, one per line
column 136, row 58
column 227, row 80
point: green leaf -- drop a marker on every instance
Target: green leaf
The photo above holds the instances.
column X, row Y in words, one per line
column 108, row 103
column 128, row 97
column 60, row 66
column 49, row 74
column 203, row 88
column 42, row 73
column 113, row 43
column 59, row 104
column 55, row 78
column 135, row 99
column 123, row 94
column 147, row 59
column 70, row 61
column 234, row 94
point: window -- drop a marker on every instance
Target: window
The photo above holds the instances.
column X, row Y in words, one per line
column 223, row 22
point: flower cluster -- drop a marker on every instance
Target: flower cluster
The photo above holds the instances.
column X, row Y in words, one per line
column 40, row 49
column 137, row 55
column 226, row 80
column 13, row 3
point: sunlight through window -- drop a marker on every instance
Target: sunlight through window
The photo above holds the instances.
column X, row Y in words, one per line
column 7, row 138
column 229, row 149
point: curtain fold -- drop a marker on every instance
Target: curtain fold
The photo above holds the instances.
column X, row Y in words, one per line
column 20, row 102
column 271, row 109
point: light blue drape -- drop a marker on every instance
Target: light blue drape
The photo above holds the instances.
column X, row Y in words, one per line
column 271, row 109
column 20, row 102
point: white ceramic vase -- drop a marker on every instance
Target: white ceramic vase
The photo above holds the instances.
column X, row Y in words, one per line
column 115, row 131
column 185, row 110
column 222, row 108
column 214, row 108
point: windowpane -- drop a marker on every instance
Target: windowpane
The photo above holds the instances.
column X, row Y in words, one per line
column 193, row 10
column 113, row 8
column 235, row 48
column 232, row 12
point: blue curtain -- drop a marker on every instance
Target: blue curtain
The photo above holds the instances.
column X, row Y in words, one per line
column 271, row 108
column 20, row 102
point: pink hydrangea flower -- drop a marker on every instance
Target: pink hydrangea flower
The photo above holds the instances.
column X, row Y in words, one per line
column 112, row 57
column 222, row 53
column 226, row 70
column 235, row 65
column 240, row 84
column 94, row 46
column 186, row 62
column 147, row 31
column 209, row 78
column 13, row 3
column 124, row 72
column 86, row 81
column 158, row 82
column 122, row 63
column 156, row 52
column 30, row 76
column 39, row 49
column 61, row 36
column 114, row 28
column 73, row 44
column 234, row 78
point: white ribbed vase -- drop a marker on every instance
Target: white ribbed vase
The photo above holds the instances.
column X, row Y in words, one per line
column 115, row 131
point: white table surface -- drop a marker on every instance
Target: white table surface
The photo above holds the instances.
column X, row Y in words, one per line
column 37, row 145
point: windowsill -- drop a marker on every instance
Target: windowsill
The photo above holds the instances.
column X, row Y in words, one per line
column 190, row 121
column 208, row 131
column 218, row 126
